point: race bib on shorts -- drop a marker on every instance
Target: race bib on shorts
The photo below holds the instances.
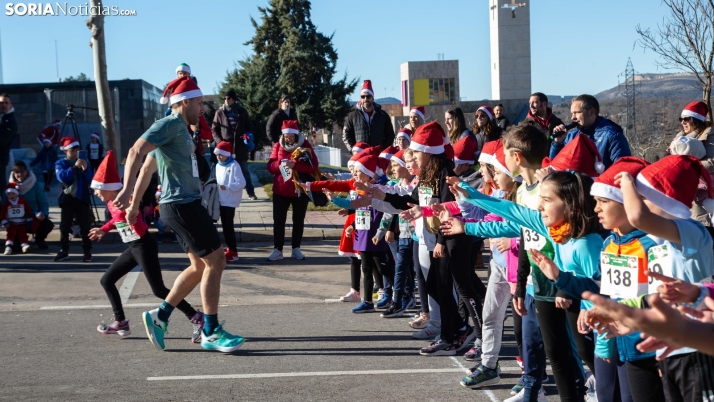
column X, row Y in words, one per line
column 126, row 232
column 363, row 219
column 619, row 276
column 16, row 211
column 659, row 259
column 194, row 165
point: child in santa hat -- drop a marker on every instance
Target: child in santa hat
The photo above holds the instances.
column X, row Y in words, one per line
column 74, row 176
column 142, row 251
column 231, row 183
column 15, row 214
column 46, row 157
column 95, row 151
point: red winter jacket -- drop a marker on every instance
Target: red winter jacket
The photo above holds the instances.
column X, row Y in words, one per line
column 280, row 186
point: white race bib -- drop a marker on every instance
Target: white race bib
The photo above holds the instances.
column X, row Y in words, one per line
column 363, row 219
column 16, row 211
column 194, row 165
column 286, row 172
column 533, row 239
column 93, row 151
column 425, row 195
column 619, row 275
column 659, row 259
column 126, row 232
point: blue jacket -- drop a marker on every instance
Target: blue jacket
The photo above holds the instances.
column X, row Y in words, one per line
column 66, row 173
column 608, row 136
column 46, row 158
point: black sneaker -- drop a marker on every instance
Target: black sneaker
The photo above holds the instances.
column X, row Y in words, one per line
column 61, row 256
column 465, row 339
column 394, row 310
column 439, row 348
column 41, row 244
column 87, row 257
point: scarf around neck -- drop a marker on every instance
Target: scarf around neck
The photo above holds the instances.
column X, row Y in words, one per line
column 25, row 185
column 227, row 161
column 561, row 233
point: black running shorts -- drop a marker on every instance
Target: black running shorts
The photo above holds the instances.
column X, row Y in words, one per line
column 193, row 227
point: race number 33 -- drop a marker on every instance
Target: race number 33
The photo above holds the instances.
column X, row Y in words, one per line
column 533, row 239
column 619, row 275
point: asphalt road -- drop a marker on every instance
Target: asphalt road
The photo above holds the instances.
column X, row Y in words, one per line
column 299, row 347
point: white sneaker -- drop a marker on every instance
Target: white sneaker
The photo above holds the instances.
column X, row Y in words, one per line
column 519, row 396
column 275, row 255
column 25, row 248
column 297, row 254
column 428, row 333
column 352, row 296
column 8, row 250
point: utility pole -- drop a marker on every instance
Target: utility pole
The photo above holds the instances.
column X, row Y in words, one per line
column 95, row 23
column 630, row 112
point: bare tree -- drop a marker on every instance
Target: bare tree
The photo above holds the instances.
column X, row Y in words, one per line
column 95, row 23
column 685, row 40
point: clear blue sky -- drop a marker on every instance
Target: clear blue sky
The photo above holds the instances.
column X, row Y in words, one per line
column 576, row 46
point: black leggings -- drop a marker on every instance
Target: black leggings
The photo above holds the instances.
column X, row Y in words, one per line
column 644, row 380
column 372, row 260
column 280, row 215
column 517, row 330
column 145, row 253
column 70, row 209
column 557, row 342
column 355, row 272
column 228, row 215
column 584, row 343
column 458, row 255
column 440, row 285
column 48, row 177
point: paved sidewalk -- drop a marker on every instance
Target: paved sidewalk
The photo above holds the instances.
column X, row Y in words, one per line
column 253, row 221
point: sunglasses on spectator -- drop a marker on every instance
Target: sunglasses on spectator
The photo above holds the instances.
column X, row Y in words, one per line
column 366, row 96
column 687, row 119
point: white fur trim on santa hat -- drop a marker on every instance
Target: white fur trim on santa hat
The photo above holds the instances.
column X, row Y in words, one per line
column 458, row 161
column 290, row 131
column 364, row 169
column 367, row 91
column 404, row 135
column 399, row 161
column 57, row 123
column 356, row 149
column 484, row 158
column 497, row 164
column 97, row 185
column 418, row 113
column 696, row 115
column 70, row 146
column 221, row 152
column 434, row 150
column 46, row 140
column 95, row 135
column 183, row 67
column 12, row 190
column 663, row 201
column 195, row 93
column 603, row 190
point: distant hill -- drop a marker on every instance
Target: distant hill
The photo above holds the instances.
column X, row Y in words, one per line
column 675, row 86
column 382, row 101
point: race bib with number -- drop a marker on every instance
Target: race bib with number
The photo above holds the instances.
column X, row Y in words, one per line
column 126, row 232
column 425, row 195
column 286, row 172
column 194, row 165
column 93, row 151
column 363, row 219
column 659, row 259
column 619, row 276
column 16, row 211
column 533, row 239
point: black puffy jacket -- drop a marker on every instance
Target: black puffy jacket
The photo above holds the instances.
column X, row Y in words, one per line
column 379, row 132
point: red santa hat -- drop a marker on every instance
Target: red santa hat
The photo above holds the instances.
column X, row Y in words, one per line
column 388, row 152
column 419, row 111
column 95, row 135
column 489, row 150
column 428, row 138
column 464, row 151
column 46, row 140
column 68, row 142
column 671, row 183
column 499, row 162
column 604, row 185
column 374, row 151
column 12, row 188
column 399, row 158
column 360, row 146
column 367, row 165
column 580, row 154
column 449, row 151
column 367, row 88
column 696, row 109
column 224, row 148
column 181, row 88
column 487, row 110
column 290, row 127
column 405, row 133
column 107, row 176
column 57, row 123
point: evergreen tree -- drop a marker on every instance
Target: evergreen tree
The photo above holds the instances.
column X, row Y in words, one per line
column 290, row 57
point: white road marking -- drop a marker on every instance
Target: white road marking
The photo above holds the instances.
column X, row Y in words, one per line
column 488, row 392
column 332, row 300
column 128, row 284
column 97, row 306
column 305, row 374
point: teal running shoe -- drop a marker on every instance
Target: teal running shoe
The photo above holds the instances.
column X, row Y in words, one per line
column 155, row 328
column 221, row 340
column 481, row 377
